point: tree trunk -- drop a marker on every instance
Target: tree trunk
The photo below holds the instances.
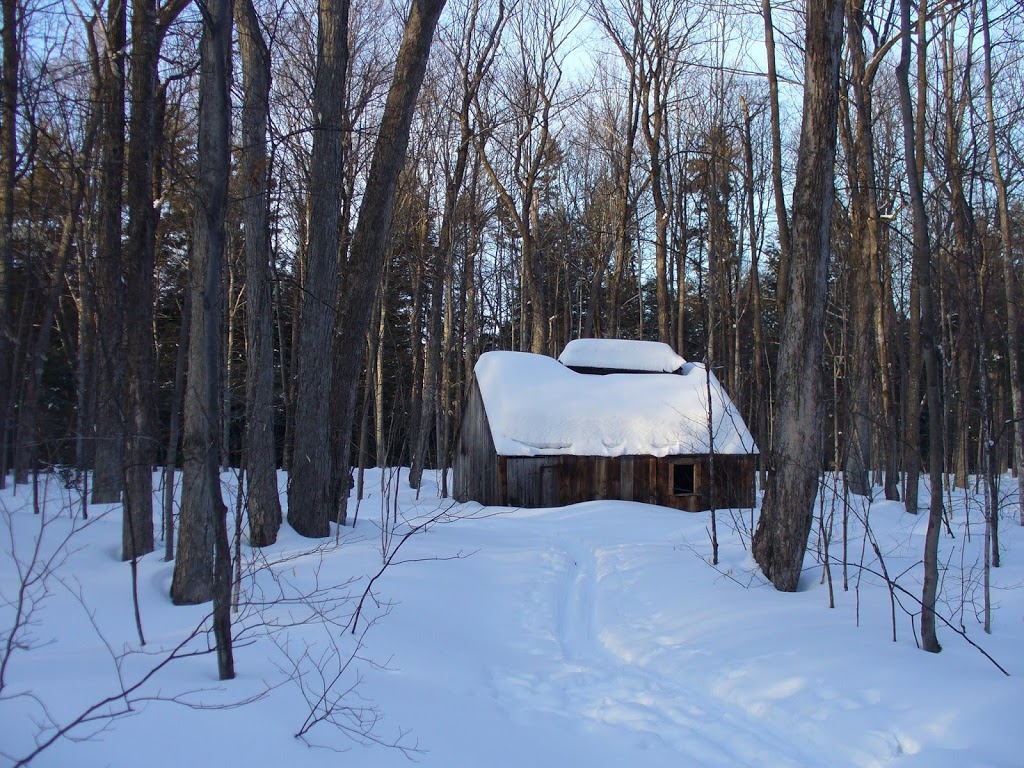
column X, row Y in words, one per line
column 140, row 260
column 654, row 128
column 534, row 276
column 442, row 265
column 785, row 246
column 370, row 377
column 915, row 362
column 787, row 512
column 108, row 478
column 11, row 62
column 419, row 353
column 431, row 368
column 264, row 505
column 232, row 301
column 1009, row 276
column 310, row 480
column 366, row 259
column 171, row 460
column 382, row 438
column 922, row 263
column 625, row 208
column 856, row 450
column 202, row 570
column 756, row 405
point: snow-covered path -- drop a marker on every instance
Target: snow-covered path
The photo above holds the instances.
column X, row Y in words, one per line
column 609, row 628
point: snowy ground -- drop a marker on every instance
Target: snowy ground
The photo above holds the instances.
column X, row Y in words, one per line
column 596, row 634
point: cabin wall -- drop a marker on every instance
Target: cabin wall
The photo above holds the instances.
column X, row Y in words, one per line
column 735, row 484
column 475, row 463
column 548, row 481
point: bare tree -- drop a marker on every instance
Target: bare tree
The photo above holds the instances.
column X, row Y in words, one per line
column 922, row 268
column 870, row 332
column 264, row 506
column 11, row 39
column 108, row 478
column 651, row 38
column 1009, row 277
column 202, row 569
column 366, row 253
column 474, row 55
column 310, row 478
column 29, row 436
column 518, row 144
column 781, row 216
column 787, row 512
column 149, row 25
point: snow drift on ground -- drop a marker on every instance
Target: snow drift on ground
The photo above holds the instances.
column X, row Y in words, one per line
column 537, row 407
column 596, row 635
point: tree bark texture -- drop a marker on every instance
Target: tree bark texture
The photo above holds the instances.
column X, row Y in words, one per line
column 780, row 540
column 310, row 479
column 858, row 370
column 203, row 529
column 139, row 263
column 431, row 364
column 108, row 477
column 263, row 503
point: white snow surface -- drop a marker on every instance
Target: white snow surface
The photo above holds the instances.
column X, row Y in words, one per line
column 537, row 407
column 625, row 354
column 594, row 635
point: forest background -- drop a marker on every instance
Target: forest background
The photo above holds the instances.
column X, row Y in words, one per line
column 572, row 169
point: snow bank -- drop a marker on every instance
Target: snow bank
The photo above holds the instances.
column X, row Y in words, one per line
column 622, row 354
column 593, row 635
column 536, row 407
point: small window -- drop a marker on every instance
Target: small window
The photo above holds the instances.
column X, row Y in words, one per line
column 683, row 479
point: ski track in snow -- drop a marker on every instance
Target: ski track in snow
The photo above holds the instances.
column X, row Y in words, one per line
column 728, row 722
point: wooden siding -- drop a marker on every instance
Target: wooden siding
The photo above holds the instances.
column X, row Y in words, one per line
column 548, row 481
column 475, row 465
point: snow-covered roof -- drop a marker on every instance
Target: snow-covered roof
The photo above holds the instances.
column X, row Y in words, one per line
column 621, row 354
column 536, row 407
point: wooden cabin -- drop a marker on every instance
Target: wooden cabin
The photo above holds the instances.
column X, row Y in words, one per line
column 610, row 419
